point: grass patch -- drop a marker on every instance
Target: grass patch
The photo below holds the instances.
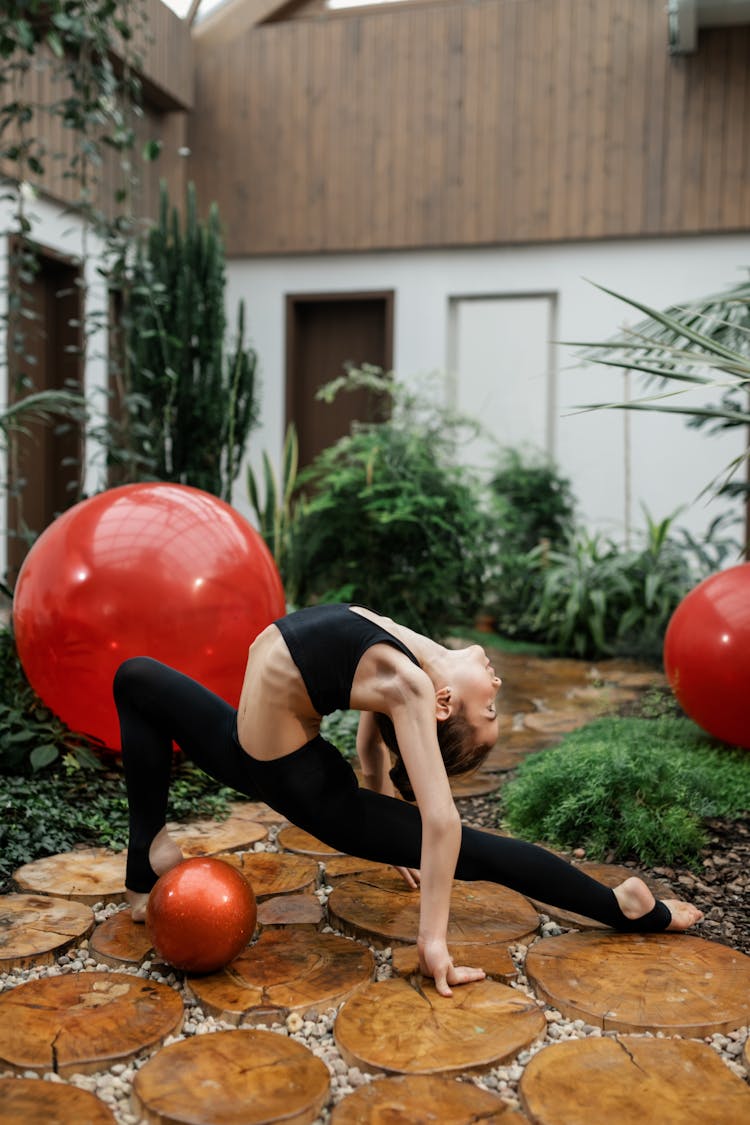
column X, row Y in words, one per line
column 628, row 787
column 52, row 812
column 496, row 641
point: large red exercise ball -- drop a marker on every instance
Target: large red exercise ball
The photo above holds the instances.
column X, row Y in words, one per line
column 707, row 654
column 201, row 914
column 160, row 570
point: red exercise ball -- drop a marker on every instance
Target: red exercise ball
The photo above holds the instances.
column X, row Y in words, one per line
column 201, row 914
column 707, row 654
column 160, row 570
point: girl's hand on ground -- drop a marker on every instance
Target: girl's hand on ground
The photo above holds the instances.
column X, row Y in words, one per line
column 410, row 875
column 435, row 961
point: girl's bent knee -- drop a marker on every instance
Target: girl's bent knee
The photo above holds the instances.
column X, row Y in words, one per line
column 133, row 675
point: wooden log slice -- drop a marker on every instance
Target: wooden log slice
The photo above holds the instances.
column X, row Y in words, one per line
column 416, row 1099
column 27, row 1101
column 556, row 722
column 120, row 941
column 276, row 873
column 87, row 875
column 630, row 1081
column 384, row 910
column 675, row 983
column 242, row 1077
column 36, row 929
column 209, row 837
column 611, row 875
column 258, row 811
column 393, row 1027
column 290, row 910
column 638, row 677
column 296, row 840
column 476, row 785
column 601, row 697
column 83, row 1022
column 285, row 971
column 494, row 959
column 338, row 866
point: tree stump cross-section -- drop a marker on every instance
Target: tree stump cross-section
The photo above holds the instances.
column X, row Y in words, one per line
column 381, row 908
column 120, row 942
column 398, row 1028
column 36, row 929
column 628, row 1080
column 87, row 875
column 27, row 1101
column 285, row 971
column 241, row 1077
column 494, row 959
column 676, row 983
column 295, row 839
column 276, row 873
column 210, row 837
column 83, row 1022
column 414, row 1099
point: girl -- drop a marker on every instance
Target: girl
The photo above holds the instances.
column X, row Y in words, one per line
column 432, row 707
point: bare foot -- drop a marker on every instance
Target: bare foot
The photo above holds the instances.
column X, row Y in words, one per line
column 163, row 855
column 635, row 900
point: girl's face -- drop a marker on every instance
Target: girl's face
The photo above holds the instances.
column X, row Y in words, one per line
column 474, row 685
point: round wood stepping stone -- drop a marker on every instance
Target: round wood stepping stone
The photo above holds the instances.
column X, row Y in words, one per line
column 83, row 1022
column 242, row 1077
column 394, row 1027
column 276, row 873
column 604, row 696
column 675, row 983
column 611, row 874
column 36, row 929
column 87, row 875
column 494, row 959
column 28, row 1101
column 628, row 1081
column 383, row 909
column 337, row 866
column 120, row 941
column 414, row 1099
column 209, row 837
column 556, row 722
column 290, row 910
column 477, row 785
column 257, row 811
column 296, row 840
column 285, row 971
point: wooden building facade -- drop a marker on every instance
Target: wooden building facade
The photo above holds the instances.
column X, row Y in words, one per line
column 436, row 123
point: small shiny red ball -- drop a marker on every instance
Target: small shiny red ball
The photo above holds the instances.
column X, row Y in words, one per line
column 707, row 654
column 201, row 914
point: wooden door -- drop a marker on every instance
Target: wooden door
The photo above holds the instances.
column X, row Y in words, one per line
column 45, row 462
column 324, row 334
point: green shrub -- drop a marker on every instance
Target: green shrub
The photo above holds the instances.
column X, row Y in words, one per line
column 628, row 787
column 391, row 521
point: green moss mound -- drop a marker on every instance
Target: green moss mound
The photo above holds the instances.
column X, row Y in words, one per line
column 629, row 788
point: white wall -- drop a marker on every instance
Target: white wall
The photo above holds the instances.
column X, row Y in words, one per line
column 62, row 233
column 670, row 463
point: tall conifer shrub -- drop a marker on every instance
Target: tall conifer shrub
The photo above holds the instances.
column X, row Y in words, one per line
column 192, row 401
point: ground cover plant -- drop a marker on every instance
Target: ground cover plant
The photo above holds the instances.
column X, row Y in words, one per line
column 629, row 788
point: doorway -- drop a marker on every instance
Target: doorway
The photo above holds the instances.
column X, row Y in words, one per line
column 45, row 459
column 325, row 333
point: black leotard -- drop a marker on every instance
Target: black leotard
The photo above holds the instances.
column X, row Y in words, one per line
column 327, row 642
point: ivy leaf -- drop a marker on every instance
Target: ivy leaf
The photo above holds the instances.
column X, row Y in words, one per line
column 152, row 150
column 55, row 43
column 42, row 756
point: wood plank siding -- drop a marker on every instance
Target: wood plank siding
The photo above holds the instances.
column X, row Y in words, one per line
column 167, row 85
column 438, row 123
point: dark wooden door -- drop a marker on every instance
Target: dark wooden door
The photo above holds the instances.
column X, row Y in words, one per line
column 324, row 334
column 46, row 460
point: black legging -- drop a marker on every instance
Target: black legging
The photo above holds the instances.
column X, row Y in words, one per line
column 316, row 789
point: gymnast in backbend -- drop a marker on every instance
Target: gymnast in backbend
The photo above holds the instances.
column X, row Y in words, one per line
column 431, row 707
